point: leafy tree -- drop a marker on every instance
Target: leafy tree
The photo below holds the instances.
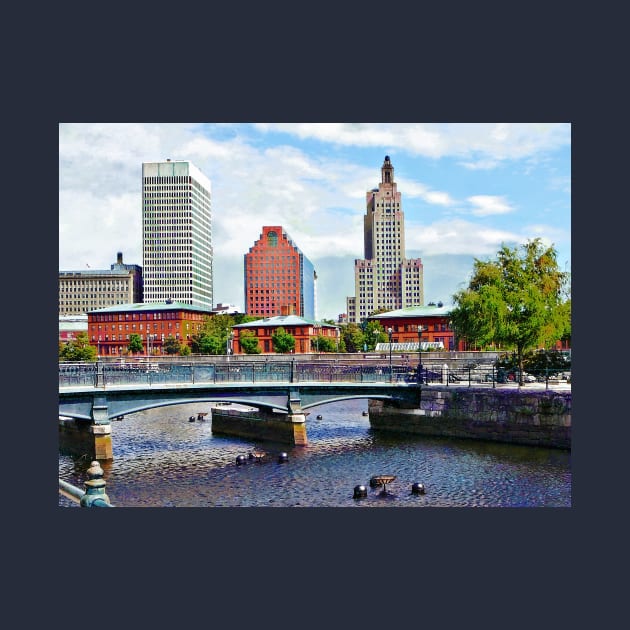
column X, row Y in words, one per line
column 213, row 336
column 135, row 343
column 353, row 337
column 241, row 318
column 184, row 349
column 249, row 342
column 203, row 343
column 282, row 341
column 171, row 345
column 516, row 301
column 374, row 334
column 78, row 349
column 323, row 344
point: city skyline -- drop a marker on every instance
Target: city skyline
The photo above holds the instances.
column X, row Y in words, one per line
column 466, row 189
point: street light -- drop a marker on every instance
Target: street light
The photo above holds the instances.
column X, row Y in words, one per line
column 151, row 347
column 389, row 333
column 420, row 329
column 228, row 342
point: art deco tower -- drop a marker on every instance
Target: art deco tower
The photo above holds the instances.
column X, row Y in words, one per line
column 279, row 279
column 176, row 234
column 384, row 279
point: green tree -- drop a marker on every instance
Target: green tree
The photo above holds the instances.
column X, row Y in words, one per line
column 282, row 341
column 249, row 342
column 323, row 344
column 203, row 343
column 78, row 349
column 241, row 318
column 516, row 301
column 373, row 334
column 353, row 337
column 184, row 349
column 171, row 345
column 135, row 343
column 213, row 336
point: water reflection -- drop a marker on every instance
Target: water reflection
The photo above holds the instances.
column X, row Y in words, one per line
column 163, row 460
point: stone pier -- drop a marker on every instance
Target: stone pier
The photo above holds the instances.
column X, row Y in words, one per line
column 260, row 425
column 82, row 437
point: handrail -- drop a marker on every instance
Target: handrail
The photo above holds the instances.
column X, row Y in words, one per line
column 94, row 494
column 70, row 492
column 455, row 371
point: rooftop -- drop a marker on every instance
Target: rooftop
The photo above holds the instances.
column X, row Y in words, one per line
column 283, row 320
column 151, row 307
column 415, row 311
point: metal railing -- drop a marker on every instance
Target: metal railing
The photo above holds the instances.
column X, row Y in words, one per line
column 460, row 372
column 94, row 493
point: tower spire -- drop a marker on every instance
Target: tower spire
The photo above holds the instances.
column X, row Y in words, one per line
column 387, row 171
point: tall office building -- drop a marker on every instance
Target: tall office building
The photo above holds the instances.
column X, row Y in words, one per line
column 384, row 279
column 279, row 278
column 176, row 234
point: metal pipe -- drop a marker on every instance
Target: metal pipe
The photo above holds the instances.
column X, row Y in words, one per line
column 70, row 492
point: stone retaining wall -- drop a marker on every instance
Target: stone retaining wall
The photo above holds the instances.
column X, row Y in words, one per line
column 540, row 418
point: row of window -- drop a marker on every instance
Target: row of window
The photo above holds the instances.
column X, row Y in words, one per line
column 123, row 317
column 176, row 179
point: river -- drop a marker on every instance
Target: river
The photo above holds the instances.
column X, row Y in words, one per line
column 163, row 460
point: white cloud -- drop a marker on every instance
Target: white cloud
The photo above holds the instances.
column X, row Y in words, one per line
column 415, row 189
column 488, row 143
column 480, row 165
column 484, row 205
column 456, row 237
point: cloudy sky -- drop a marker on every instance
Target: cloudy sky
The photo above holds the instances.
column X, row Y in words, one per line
column 467, row 188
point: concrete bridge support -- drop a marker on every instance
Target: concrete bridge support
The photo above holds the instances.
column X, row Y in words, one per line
column 83, row 438
column 297, row 418
column 260, row 425
column 92, row 438
column 286, row 428
column 101, row 429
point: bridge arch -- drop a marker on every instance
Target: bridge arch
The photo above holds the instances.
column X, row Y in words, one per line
column 326, row 401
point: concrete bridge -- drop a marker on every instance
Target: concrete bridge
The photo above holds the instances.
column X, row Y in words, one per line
column 100, row 406
column 93, row 395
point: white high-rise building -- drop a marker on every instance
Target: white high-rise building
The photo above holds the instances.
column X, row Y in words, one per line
column 384, row 280
column 176, row 233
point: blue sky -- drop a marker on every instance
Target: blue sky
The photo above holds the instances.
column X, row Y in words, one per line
column 467, row 188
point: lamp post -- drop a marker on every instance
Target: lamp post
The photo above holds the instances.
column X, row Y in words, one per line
column 389, row 334
column 228, row 343
column 420, row 329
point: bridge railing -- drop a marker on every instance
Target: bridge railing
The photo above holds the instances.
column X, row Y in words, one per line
column 94, row 493
column 157, row 373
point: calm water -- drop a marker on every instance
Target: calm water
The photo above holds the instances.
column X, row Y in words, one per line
column 163, row 460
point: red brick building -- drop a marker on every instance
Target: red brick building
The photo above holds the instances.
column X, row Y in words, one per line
column 109, row 328
column 303, row 330
column 435, row 322
column 279, row 278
